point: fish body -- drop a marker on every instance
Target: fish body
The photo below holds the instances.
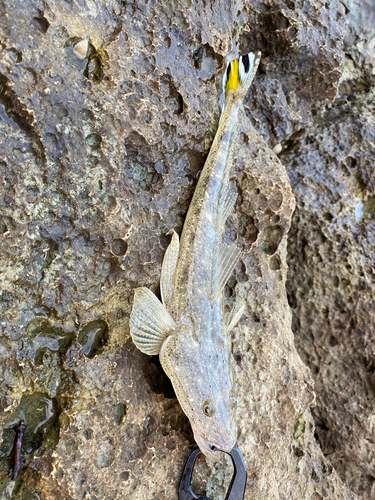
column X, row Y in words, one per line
column 189, row 330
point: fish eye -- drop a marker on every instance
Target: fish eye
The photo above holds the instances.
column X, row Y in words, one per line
column 208, row 408
column 233, row 402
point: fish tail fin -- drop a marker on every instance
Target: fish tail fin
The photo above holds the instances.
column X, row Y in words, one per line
column 239, row 74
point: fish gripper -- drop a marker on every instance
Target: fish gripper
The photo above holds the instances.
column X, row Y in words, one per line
column 236, row 490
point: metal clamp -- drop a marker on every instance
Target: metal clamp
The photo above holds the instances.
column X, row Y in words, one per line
column 236, row 490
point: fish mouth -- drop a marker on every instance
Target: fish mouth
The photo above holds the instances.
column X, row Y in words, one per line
column 212, row 451
column 207, row 448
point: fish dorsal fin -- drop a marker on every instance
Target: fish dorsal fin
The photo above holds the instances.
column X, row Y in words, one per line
column 232, row 317
column 224, row 260
column 168, row 269
column 150, row 322
column 224, row 208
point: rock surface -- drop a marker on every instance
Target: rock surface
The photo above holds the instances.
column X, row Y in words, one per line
column 359, row 39
column 331, row 281
column 331, row 260
column 99, row 157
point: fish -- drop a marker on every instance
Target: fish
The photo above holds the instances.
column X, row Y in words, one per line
column 188, row 328
column 17, row 455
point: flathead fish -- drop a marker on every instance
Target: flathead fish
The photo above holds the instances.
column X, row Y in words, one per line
column 189, row 329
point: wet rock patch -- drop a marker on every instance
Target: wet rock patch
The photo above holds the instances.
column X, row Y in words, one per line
column 92, row 337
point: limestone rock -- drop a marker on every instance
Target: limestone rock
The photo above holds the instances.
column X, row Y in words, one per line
column 99, row 158
column 331, row 281
column 359, row 39
column 331, row 260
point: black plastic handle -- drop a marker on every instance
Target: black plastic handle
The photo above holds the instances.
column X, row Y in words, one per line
column 236, row 490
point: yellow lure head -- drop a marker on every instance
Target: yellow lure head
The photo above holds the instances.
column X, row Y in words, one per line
column 233, row 77
column 239, row 74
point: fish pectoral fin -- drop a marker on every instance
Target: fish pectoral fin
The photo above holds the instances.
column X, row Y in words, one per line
column 150, row 322
column 224, row 209
column 232, row 317
column 168, row 269
column 224, row 260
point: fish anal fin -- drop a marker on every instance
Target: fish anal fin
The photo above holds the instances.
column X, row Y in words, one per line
column 225, row 259
column 168, row 269
column 232, row 317
column 150, row 322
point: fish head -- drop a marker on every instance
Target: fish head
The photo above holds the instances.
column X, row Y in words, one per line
column 201, row 376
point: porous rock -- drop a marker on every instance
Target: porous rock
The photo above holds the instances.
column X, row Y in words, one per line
column 359, row 39
column 110, row 149
column 331, row 260
column 331, row 282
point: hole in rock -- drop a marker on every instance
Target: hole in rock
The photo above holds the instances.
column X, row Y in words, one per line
column 298, row 453
column 328, row 217
column 237, row 358
column 244, row 138
column 41, row 24
column 272, row 236
column 275, row 263
column 350, row 162
column 157, row 378
column 333, row 342
column 277, row 21
column 314, row 476
column 119, row 246
column 174, row 102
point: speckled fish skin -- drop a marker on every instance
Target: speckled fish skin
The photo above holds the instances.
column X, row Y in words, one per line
column 194, row 343
column 197, row 357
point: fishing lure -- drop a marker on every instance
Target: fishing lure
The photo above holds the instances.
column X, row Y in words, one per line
column 17, row 456
column 189, row 329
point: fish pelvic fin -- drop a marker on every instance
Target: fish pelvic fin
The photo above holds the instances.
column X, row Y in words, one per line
column 168, row 269
column 239, row 74
column 150, row 322
column 232, row 317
